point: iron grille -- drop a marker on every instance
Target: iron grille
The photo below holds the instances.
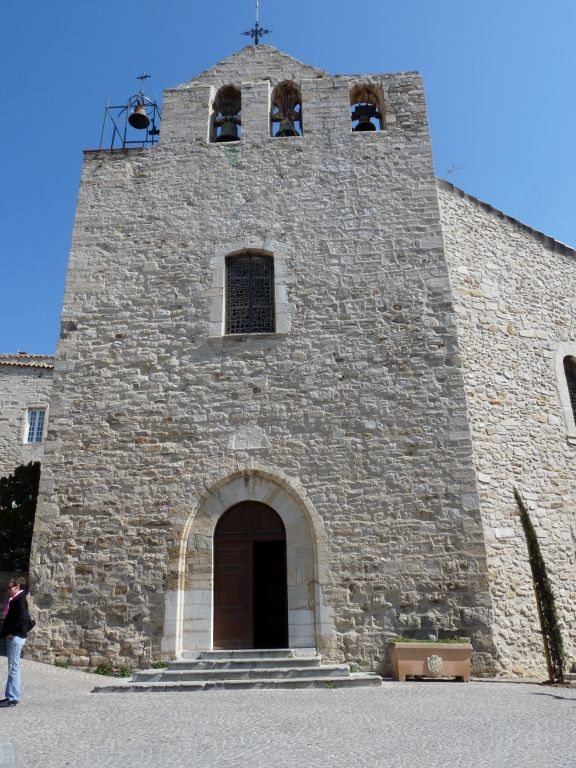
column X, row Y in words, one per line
column 249, row 294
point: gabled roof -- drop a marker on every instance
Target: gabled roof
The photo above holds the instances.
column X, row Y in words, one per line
column 255, row 62
column 555, row 245
column 24, row 360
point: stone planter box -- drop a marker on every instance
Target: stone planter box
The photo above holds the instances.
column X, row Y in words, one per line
column 435, row 660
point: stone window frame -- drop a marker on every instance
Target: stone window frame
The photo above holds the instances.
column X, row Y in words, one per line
column 32, row 431
column 283, row 309
column 565, row 350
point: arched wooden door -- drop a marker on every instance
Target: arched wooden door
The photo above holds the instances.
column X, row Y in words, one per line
column 250, row 595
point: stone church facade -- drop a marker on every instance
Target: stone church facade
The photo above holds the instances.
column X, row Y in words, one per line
column 296, row 382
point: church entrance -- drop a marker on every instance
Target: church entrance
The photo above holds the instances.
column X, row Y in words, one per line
column 250, row 586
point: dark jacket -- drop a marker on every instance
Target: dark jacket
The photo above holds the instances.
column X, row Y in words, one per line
column 16, row 621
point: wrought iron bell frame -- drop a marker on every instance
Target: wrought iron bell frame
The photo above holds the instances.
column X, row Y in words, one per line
column 118, row 132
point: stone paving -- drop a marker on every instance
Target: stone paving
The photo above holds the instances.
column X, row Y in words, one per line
column 401, row 725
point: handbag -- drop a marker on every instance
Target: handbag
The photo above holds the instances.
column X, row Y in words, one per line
column 31, row 623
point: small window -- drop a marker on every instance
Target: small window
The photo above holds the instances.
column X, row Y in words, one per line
column 227, row 115
column 249, row 294
column 366, row 108
column 286, row 113
column 565, row 373
column 35, row 425
column 570, row 373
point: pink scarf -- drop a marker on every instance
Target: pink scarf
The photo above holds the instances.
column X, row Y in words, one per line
column 7, row 606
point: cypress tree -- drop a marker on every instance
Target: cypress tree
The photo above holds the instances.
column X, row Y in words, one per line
column 553, row 646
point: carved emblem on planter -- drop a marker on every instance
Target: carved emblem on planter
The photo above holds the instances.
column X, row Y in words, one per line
column 434, row 664
column 435, row 660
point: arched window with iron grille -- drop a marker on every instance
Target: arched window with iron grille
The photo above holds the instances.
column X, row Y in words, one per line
column 250, row 293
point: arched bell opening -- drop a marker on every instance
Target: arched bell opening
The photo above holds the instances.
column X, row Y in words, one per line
column 227, row 115
column 250, row 582
column 366, row 108
column 286, row 111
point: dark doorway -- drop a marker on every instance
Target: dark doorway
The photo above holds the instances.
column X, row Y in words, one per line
column 250, row 595
column 269, row 588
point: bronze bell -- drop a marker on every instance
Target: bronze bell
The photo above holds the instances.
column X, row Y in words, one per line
column 228, row 132
column 364, row 123
column 286, row 129
column 139, row 119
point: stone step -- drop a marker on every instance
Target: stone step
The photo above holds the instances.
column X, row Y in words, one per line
column 237, row 670
column 250, row 653
column 241, row 663
column 352, row 680
column 243, row 673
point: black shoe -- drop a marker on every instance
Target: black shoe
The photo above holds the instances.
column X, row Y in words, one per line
column 8, row 703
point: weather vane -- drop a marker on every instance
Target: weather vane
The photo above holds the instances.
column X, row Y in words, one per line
column 257, row 31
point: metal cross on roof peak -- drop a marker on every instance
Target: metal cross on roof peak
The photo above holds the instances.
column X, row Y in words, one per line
column 257, row 31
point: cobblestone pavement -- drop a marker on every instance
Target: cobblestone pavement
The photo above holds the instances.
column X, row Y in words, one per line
column 489, row 725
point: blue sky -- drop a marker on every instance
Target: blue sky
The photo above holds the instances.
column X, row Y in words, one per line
column 500, row 81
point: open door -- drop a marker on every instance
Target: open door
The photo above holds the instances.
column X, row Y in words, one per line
column 250, row 595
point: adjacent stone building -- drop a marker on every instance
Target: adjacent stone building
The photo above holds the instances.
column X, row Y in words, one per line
column 296, row 383
column 515, row 301
column 25, row 384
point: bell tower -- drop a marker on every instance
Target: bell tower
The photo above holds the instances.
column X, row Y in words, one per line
column 258, row 316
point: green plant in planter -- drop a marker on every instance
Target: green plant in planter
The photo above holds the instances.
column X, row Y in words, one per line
column 430, row 657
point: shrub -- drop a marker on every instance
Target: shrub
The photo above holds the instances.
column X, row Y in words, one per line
column 18, row 495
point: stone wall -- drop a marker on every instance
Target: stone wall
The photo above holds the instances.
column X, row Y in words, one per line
column 354, row 409
column 514, row 290
column 25, row 382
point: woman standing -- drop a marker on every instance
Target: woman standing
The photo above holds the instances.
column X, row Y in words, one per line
column 15, row 630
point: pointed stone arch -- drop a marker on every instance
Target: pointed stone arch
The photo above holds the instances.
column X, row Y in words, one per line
column 189, row 608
